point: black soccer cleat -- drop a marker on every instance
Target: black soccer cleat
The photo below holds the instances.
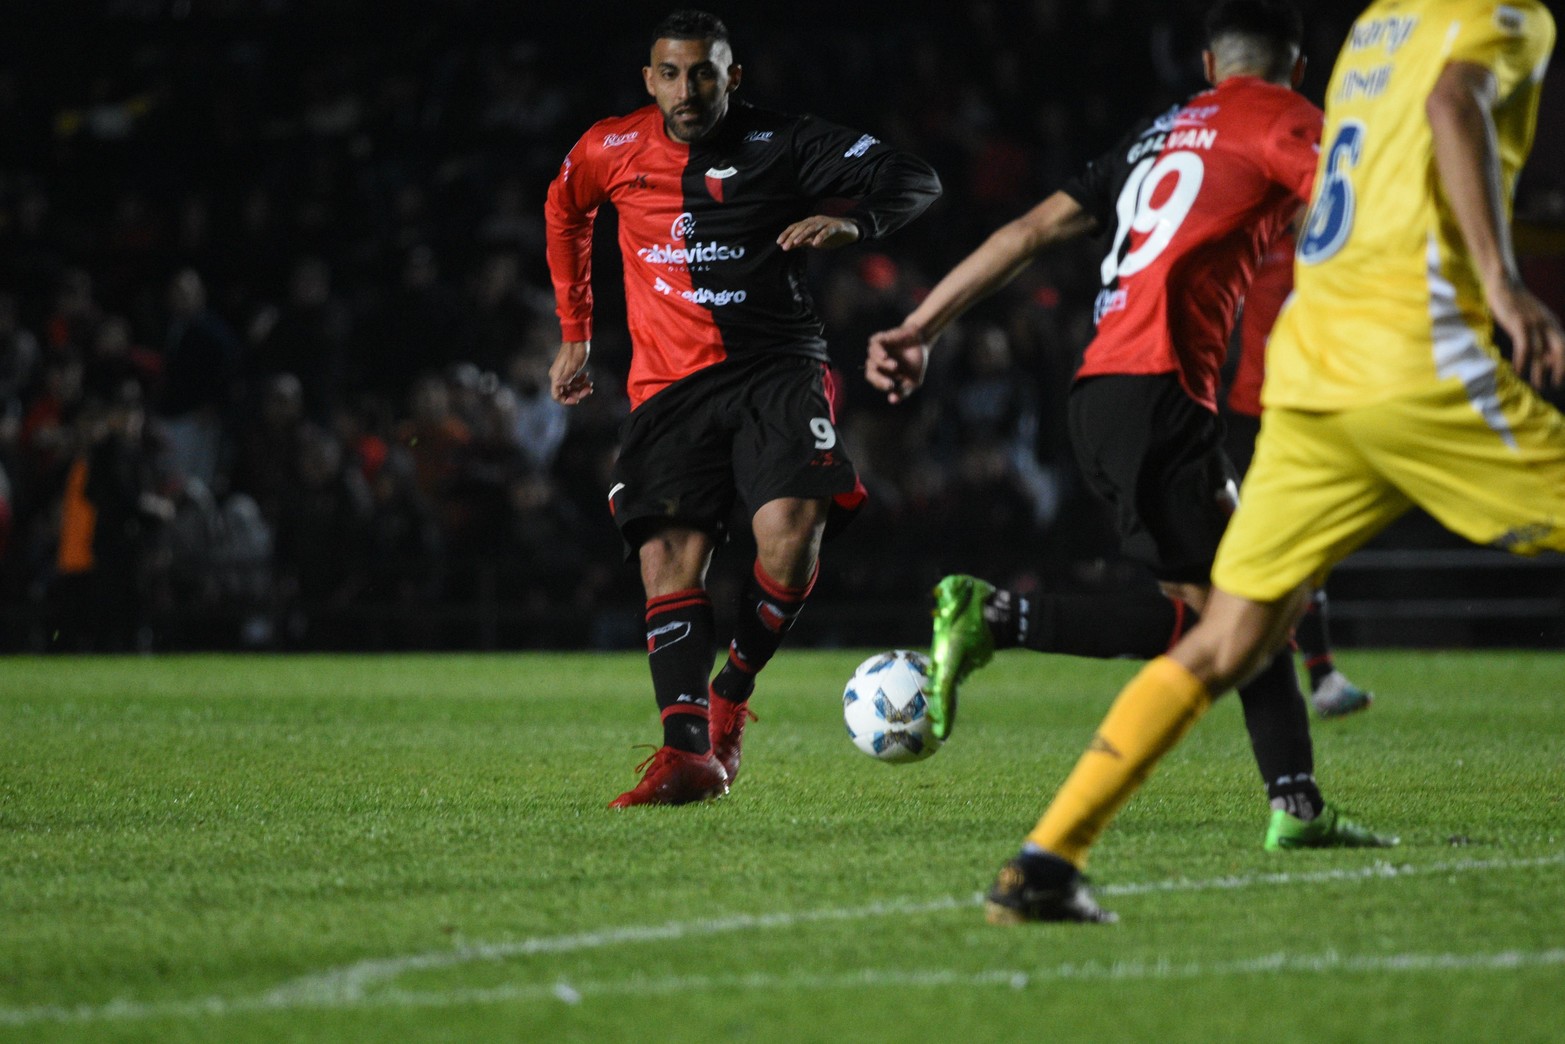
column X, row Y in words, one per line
column 1042, row 888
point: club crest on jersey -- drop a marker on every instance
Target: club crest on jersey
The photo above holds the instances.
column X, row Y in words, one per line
column 715, row 178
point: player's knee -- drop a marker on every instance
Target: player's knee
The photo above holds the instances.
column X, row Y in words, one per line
column 789, row 560
column 1221, row 660
column 1242, row 659
column 1235, row 639
column 1193, row 595
column 788, row 535
column 674, row 558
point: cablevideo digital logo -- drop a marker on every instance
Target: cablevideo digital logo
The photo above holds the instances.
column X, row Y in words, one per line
column 684, row 250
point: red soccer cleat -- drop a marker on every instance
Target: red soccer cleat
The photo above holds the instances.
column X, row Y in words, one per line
column 675, row 777
column 725, row 724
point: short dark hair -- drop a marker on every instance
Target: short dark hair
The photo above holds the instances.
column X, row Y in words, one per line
column 1260, row 36
column 690, row 24
column 1277, row 22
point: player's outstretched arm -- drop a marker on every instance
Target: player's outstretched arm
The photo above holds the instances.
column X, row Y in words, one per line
column 897, row 358
column 569, row 381
column 1467, row 157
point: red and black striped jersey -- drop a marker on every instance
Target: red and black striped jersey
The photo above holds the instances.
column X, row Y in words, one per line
column 1193, row 199
column 698, row 226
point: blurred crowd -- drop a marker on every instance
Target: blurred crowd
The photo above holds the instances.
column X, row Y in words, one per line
column 275, row 322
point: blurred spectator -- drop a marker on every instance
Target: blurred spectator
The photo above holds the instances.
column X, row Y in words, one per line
column 321, row 542
column 405, row 547
column 115, row 359
column 435, row 438
column 76, row 313
column 501, row 316
column 267, row 468
column 422, row 327
column 307, row 336
column 108, row 508
column 538, row 424
column 993, row 417
column 18, row 361
column 48, row 439
column 200, row 388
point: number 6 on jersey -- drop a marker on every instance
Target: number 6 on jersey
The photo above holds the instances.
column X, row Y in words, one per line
column 1331, row 216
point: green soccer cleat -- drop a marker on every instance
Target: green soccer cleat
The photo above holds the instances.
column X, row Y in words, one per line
column 1327, row 830
column 962, row 643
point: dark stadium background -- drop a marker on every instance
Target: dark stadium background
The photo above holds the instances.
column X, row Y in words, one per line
column 357, row 187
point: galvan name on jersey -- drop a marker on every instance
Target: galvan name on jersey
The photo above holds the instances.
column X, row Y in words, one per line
column 1203, row 138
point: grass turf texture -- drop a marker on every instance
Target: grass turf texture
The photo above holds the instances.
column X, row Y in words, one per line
column 273, row 848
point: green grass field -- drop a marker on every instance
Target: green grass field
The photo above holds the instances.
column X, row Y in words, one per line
column 416, row 847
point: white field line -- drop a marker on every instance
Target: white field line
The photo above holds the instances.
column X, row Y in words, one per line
column 1013, row 978
column 347, row 986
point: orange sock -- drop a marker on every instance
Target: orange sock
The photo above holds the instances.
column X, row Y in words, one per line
column 1150, row 715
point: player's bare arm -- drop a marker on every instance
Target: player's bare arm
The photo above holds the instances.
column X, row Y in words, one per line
column 1467, row 157
column 569, row 381
column 899, row 357
column 821, row 232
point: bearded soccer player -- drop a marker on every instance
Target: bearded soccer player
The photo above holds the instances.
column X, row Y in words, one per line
column 729, row 389
column 1190, row 201
column 1384, row 387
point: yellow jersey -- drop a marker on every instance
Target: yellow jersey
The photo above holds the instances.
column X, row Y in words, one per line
column 1386, row 299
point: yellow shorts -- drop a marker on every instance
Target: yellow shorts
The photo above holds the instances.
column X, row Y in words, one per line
column 1322, row 484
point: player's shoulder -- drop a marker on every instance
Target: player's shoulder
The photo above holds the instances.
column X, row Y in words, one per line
column 1525, row 18
column 1252, row 92
column 1521, row 18
column 748, row 116
column 615, row 132
column 806, row 133
column 1146, row 134
column 748, row 125
column 1513, row 15
column 801, row 128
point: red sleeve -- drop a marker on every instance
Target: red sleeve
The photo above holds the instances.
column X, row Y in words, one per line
column 1293, row 149
column 1268, row 290
column 569, row 210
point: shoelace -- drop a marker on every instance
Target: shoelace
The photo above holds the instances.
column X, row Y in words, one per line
column 649, row 759
column 744, row 716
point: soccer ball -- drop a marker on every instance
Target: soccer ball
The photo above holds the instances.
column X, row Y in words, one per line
column 886, row 709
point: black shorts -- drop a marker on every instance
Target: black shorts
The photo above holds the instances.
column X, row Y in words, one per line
column 745, row 430
column 1156, row 456
column 1239, row 439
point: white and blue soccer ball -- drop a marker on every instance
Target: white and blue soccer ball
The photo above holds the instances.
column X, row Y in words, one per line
column 886, row 707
